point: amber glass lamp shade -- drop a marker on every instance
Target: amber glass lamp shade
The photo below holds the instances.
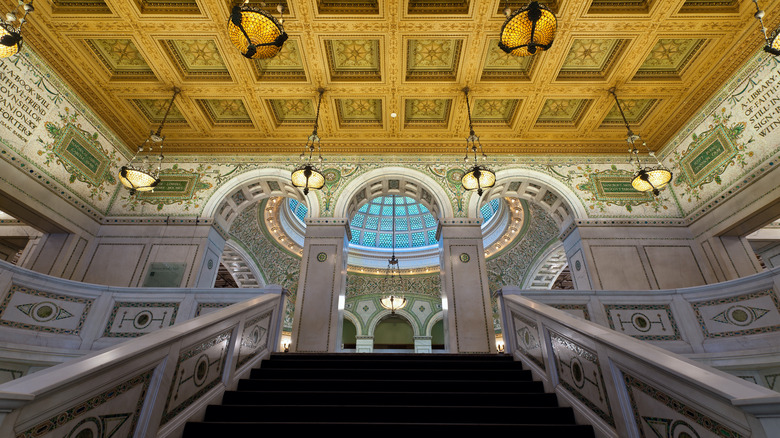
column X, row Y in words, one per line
column 651, row 179
column 773, row 44
column 478, row 178
column 307, row 177
column 10, row 40
column 255, row 33
column 137, row 180
column 528, row 30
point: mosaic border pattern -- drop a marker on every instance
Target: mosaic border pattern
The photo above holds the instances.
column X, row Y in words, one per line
column 91, row 403
column 185, row 354
column 582, row 307
column 770, row 292
column 15, row 288
column 249, row 325
column 678, row 406
column 117, row 304
column 652, row 307
column 520, row 347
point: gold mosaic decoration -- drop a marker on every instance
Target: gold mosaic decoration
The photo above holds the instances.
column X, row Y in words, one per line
column 669, row 57
column 197, row 59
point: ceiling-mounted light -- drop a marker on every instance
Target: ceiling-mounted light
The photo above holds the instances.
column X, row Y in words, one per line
column 773, row 41
column 143, row 177
column 646, row 179
column 307, row 176
column 11, row 33
column 477, row 177
column 528, row 30
column 393, row 285
column 255, row 33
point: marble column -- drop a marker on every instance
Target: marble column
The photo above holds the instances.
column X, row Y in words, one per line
column 321, row 287
column 466, row 301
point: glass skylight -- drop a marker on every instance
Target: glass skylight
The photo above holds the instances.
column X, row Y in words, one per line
column 372, row 225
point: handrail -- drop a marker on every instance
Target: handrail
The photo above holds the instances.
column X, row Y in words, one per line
column 616, row 382
column 733, row 316
column 191, row 363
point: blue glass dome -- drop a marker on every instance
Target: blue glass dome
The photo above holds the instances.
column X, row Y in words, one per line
column 415, row 226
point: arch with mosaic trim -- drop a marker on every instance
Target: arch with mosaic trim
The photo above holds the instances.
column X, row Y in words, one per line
column 244, row 190
column 550, row 194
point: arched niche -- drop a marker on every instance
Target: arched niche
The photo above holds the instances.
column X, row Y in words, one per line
column 246, row 189
column 545, row 191
column 384, row 313
column 399, row 181
column 394, row 330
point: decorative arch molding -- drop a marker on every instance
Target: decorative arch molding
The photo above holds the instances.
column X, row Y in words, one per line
column 547, row 268
column 244, row 190
column 355, row 321
column 241, row 266
column 384, row 313
column 400, row 181
column 438, row 316
column 547, row 192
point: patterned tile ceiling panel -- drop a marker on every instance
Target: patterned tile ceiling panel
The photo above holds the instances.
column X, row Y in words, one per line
column 427, row 111
column 286, row 66
column 359, row 112
column 121, row 57
column 154, row 110
column 353, row 60
column 565, row 112
column 591, row 58
column 634, row 109
column 293, row 111
column 669, row 57
column 409, row 57
column 494, row 111
column 197, row 59
column 432, row 59
column 225, row 111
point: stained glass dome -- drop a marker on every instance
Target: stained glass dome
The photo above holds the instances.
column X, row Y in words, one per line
column 415, row 226
column 372, row 225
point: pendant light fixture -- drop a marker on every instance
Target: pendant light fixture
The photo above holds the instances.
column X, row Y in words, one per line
column 255, row 33
column 528, row 30
column 772, row 42
column 11, row 33
column 646, row 179
column 477, row 177
column 393, row 283
column 307, row 176
column 144, row 178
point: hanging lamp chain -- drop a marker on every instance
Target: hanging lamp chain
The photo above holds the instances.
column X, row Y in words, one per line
column 314, row 137
column 472, row 139
column 760, row 17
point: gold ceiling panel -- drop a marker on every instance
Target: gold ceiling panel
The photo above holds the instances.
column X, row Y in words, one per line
column 409, row 57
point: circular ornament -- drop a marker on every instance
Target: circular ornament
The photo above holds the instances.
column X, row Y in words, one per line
column 210, row 264
column 577, row 265
column 321, row 257
column 465, row 258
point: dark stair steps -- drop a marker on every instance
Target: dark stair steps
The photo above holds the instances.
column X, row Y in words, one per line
column 388, row 394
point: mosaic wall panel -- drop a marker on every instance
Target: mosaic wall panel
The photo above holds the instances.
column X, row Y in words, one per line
column 580, row 373
column 206, row 308
column 198, row 369
column 32, row 309
column 748, row 314
column 580, row 310
column 420, row 310
column 255, row 337
column 131, row 319
column 527, row 337
column 648, row 322
column 660, row 415
column 112, row 413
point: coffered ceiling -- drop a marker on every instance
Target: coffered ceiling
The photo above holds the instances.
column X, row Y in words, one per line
column 408, row 58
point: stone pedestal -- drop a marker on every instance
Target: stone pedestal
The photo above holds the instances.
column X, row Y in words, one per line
column 422, row 344
column 466, row 301
column 364, row 344
column 321, row 287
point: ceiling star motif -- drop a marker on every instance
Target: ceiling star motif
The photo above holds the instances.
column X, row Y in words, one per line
column 121, row 57
column 634, row 109
column 154, row 110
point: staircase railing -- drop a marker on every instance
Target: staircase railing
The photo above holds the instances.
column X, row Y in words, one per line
column 148, row 386
column 625, row 387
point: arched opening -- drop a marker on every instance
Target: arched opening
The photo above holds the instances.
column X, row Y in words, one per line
column 437, row 335
column 394, row 333
column 348, row 335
